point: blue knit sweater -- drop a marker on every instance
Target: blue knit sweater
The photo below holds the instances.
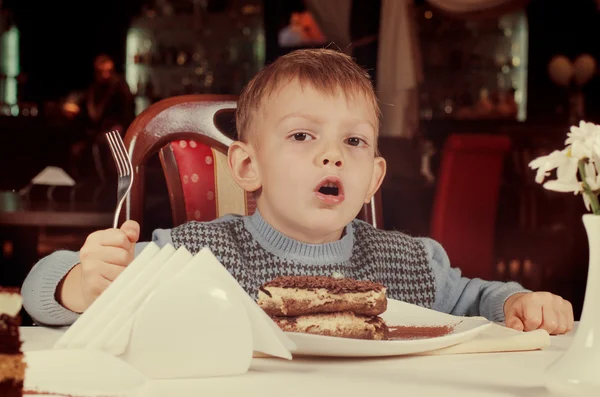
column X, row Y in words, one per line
column 415, row 270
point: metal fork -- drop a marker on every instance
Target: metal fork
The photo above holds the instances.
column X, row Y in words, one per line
column 124, row 169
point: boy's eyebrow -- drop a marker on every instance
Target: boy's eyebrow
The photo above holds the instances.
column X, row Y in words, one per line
column 308, row 116
column 316, row 119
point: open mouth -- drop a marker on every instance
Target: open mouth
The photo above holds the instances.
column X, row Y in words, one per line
column 331, row 187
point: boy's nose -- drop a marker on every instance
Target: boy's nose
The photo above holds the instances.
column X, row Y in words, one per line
column 336, row 162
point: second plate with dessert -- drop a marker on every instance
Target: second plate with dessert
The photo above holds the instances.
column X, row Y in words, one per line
column 413, row 329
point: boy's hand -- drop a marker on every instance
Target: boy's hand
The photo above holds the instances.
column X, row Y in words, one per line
column 104, row 256
column 534, row 310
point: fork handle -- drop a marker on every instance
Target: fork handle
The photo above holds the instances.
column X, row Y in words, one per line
column 116, row 219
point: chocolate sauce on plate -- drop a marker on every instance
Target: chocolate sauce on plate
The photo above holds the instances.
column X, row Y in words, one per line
column 415, row 332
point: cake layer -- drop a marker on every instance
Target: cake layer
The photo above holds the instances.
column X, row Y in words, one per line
column 331, row 284
column 295, row 296
column 12, row 366
column 10, row 343
column 341, row 324
column 10, row 301
column 288, row 302
column 11, row 388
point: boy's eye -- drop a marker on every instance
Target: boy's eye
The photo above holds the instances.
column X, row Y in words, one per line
column 302, row 136
column 356, row 142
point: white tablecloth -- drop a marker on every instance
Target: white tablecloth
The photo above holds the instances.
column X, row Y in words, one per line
column 481, row 375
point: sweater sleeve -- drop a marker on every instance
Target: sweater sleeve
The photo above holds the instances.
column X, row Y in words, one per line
column 462, row 296
column 39, row 287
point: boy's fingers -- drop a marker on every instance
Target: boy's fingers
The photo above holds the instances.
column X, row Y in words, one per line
column 132, row 230
column 563, row 323
column 515, row 322
column 514, row 307
column 532, row 315
column 550, row 319
column 114, row 256
column 568, row 309
column 114, row 238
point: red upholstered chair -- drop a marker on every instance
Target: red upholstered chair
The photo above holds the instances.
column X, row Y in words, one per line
column 466, row 201
column 192, row 134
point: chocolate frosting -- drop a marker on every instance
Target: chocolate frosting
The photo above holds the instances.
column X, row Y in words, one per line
column 418, row 332
column 265, row 292
column 11, row 388
column 333, row 285
column 10, row 343
column 9, row 290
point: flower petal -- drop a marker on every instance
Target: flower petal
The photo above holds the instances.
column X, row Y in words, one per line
column 591, row 176
column 586, row 201
column 541, row 175
column 558, row 186
column 567, row 172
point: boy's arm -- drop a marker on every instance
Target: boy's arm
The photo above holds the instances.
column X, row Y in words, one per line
column 39, row 289
column 461, row 296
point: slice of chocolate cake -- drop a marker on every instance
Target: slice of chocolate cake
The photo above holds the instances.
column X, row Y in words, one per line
column 340, row 307
column 303, row 295
column 12, row 366
column 341, row 325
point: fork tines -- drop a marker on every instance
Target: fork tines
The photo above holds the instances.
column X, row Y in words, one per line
column 119, row 153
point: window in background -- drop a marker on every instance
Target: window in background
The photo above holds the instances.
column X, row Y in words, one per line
column 200, row 49
column 9, row 70
column 473, row 69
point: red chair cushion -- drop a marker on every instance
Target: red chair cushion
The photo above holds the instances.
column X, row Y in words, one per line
column 196, row 165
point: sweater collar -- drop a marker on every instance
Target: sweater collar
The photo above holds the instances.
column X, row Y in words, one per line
column 283, row 246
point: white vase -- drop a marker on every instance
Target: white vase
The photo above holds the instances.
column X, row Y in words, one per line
column 577, row 371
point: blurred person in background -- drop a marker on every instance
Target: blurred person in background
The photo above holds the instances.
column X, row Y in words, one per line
column 106, row 105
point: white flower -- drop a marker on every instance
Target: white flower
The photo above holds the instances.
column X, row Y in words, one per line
column 582, row 150
column 584, row 130
column 564, row 187
column 591, row 176
column 587, row 202
column 593, row 180
column 596, row 157
column 584, row 140
column 566, row 166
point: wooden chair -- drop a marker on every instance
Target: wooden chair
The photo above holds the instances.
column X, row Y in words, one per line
column 466, row 201
column 191, row 134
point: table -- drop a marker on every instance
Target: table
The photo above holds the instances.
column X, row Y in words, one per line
column 56, row 215
column 478, row 375
column 21, row 224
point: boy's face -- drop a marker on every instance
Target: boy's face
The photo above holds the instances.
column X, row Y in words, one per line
column 314, row 159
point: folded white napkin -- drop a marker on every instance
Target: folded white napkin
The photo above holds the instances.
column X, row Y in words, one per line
column 498, row 338
column 171, row 314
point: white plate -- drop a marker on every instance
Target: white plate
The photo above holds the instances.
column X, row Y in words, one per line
column 397, row 314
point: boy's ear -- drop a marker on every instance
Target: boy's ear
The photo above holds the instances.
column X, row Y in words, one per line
column 241, row 163
column 377, row 178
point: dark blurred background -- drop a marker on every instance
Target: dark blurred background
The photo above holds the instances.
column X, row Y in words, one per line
column 483, row 73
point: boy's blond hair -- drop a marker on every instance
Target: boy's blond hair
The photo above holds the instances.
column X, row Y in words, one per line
column 324, row 69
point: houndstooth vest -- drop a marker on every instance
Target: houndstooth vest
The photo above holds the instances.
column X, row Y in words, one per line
column 391, row 258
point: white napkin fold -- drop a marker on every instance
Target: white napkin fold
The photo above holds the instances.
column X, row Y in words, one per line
column 74, row 337
column 173, row 315
column 498, row 338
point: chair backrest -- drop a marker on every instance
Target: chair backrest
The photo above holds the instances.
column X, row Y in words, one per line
column 192, row 146
column 466, row 200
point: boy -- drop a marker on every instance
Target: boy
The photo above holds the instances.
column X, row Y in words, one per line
column 308, row 127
